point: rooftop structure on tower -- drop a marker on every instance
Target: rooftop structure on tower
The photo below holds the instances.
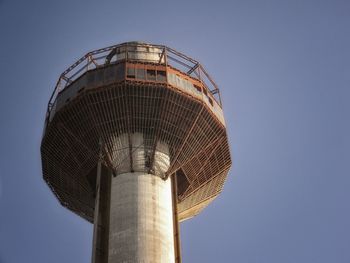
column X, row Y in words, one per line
column 135, row 142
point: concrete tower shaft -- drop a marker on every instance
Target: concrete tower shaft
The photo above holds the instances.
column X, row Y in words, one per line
column 141, row 219
column 134, row 222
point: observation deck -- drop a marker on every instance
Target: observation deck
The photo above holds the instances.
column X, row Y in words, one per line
column 127, row 89
column 136, row 61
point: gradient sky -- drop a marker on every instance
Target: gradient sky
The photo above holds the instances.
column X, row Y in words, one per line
column 283, row 68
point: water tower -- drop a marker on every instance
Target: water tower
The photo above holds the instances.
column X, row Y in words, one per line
column 135, row 142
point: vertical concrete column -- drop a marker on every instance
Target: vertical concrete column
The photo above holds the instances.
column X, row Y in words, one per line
column 101, row 218
column 141, row 219
column 141, row 225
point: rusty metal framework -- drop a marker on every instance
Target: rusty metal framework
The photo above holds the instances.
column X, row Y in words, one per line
column 100, row 98
column 100, row 57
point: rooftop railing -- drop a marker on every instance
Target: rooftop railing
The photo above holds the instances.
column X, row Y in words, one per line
column 134, row 51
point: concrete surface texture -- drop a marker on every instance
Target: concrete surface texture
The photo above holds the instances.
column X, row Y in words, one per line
column 141, row 211
column 141, row 220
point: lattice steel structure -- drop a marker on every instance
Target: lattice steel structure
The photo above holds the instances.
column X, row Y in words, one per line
column 134, row 108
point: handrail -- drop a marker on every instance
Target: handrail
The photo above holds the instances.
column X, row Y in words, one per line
column 98, row 58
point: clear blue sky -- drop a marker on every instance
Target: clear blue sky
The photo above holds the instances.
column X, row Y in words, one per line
column 283, row 68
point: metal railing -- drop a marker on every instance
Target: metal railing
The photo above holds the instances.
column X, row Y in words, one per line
column 134, row 51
